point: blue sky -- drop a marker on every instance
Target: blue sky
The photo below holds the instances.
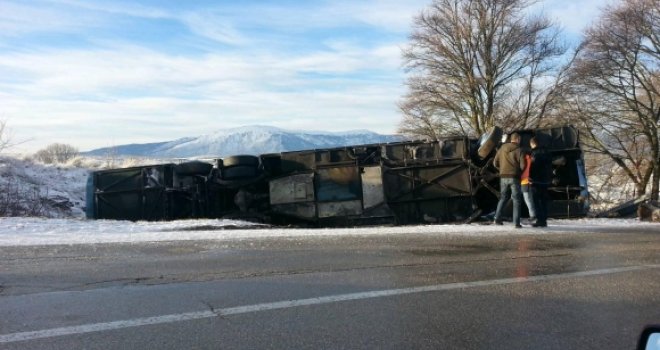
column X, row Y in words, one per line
column 102, row 73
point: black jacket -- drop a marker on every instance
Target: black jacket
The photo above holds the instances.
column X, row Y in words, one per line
column 541, row 170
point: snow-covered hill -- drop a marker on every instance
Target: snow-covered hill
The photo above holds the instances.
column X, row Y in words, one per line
column 29, row 188
column 246, row 140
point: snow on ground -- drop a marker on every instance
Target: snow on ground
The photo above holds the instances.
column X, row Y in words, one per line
column 37, row 231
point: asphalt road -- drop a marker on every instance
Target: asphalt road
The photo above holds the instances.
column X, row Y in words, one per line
column 551, row 291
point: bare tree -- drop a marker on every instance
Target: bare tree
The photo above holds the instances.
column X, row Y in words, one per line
column 615, row 89
column 477, row 63
column 56, row 153
column 17, row 200
column 5, row 137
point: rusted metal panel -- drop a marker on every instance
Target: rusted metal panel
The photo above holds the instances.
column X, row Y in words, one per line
column 342, row 208
column 292, row 189
column 297, row 161
column 304, row 210
column 372, row 187
column 421, row 152
column 430, row 182
column 338, row 184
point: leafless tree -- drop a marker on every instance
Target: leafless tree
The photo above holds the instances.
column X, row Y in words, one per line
column 5, row 137
column 615, row 91
column 56, row 153
column 17, row 200
column 477, row 63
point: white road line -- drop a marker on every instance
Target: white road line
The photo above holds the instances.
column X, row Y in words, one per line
column 138, row 322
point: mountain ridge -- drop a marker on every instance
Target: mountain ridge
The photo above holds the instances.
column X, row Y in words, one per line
column 256, row 139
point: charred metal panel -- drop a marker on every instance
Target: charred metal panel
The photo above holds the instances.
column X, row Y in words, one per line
column 437, row 181
column 133, row 193
column 149, row 204
column 338, row 184
column 446, row 210
column 119, row 206
column 566, row 208
column 292, row 189
column 302, row 210
column 293, row 196
column 454, row 148
column 439, row 150
column 433, row 211
column 417, row 152
column 330, row 156
column 393, row 152
column 293, row 162
column 554, row 139
column 338, row 209
column 424, row 151
column 561, row 138
column 90, row 197
column 372, row 187
column 272, row 163
column 119, row 180
column 130, row 179
column 438, row 193
column 568, row 172
column 365, row 155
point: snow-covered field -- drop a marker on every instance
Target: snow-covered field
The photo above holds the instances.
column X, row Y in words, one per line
column 35, row 231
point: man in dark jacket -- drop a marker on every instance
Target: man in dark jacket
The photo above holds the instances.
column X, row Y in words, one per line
column 540, row 176
column 510, row 162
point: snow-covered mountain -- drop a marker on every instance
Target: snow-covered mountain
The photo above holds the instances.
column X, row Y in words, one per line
column 246, row 140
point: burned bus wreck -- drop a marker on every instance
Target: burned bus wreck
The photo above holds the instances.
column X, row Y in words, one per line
column 412, row 182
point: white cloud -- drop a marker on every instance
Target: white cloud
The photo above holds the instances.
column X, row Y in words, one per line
column 69, row 72
column 17, row 18
column 129, row 94
column 573, row 16
column 128, row 9
column 213, row 26
column 392, row 15
column 100, row 123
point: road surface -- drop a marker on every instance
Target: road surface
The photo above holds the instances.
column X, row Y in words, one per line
column 402, row 291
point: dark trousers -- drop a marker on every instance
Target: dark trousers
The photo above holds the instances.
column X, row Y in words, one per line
column 541, row 197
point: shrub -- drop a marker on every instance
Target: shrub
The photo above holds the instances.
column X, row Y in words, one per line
column 56, row 153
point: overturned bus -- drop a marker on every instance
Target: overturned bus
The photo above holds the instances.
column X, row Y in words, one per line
column 411, row 182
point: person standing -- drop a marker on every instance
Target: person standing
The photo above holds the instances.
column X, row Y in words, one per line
column 540, row 176
column 526, row 187
column 510, row 163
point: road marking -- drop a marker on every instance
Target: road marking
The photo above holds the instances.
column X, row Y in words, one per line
column 197, row 315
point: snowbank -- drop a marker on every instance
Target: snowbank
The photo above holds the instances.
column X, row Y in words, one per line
column 35, row 231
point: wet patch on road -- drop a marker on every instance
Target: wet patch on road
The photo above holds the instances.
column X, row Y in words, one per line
column 218, row 227
column 526, row 244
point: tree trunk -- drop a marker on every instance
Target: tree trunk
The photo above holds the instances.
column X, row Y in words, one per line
column 655, row 182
